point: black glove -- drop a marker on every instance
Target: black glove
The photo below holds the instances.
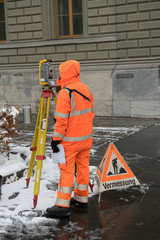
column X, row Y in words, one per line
column 54, row 146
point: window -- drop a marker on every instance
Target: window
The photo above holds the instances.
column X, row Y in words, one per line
column 2, row 22
column 69, row 18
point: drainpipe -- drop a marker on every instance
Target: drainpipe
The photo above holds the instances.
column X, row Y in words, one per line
column 0, row 186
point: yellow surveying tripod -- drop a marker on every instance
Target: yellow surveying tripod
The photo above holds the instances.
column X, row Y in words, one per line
column 39, row 140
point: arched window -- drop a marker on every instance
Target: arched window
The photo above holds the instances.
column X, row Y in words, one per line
column 69, row 18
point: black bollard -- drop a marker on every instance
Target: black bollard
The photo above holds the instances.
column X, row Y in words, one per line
column 0, row 186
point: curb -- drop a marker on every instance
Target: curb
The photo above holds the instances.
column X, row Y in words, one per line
column 13, row 176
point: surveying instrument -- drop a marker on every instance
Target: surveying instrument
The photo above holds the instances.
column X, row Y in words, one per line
column 47, row 80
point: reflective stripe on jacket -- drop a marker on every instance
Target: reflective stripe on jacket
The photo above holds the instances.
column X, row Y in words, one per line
column 74, row 115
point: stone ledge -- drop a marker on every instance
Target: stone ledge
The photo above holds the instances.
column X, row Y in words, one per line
column 116, row 64
column 13, row 176
column 92, row 39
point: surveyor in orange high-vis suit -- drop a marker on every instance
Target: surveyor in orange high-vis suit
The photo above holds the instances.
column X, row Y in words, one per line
column 73, row 128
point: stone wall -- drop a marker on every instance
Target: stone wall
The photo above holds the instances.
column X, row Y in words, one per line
column 138, row 29
column 102, row 21
column 135, row 23
column 24, row 20
column 101, row 17
column 59, row 50
column 119, row 54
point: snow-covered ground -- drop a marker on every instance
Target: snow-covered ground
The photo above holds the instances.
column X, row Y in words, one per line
column 16, row 204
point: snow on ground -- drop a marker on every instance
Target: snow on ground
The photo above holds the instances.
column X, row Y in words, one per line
column 50, row 171
column 16, row 204
column 15, row 162
column 101, row 135
column 24, row 200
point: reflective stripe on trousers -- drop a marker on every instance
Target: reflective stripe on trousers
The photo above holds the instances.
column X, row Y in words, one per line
column 81, row 199
column 63, row 202
column 65, row 189
column 81, row 192
column 63, row 196
column 81, row 187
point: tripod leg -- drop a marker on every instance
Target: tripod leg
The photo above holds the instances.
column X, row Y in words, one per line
column 40, row 156
column 33, row 148
column 37, row 182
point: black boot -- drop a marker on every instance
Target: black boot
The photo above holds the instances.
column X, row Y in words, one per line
column 78, row 205
column 58, row 212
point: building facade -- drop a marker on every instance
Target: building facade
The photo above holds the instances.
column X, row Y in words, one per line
column 116, row 41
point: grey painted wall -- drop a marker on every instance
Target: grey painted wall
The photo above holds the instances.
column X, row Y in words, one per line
column 122, row 93
column 136, row 93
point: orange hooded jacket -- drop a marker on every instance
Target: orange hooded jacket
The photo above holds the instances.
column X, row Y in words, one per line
column 74, row 110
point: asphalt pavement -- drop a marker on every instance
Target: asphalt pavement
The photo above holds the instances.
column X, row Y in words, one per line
column 131, row 214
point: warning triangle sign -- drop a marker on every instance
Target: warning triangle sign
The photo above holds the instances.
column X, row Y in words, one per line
column 113, row 172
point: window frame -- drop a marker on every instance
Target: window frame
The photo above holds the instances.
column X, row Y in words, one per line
column 71, row 35
column 5, row 40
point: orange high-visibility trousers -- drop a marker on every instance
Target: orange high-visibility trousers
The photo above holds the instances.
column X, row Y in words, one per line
column 67, row 170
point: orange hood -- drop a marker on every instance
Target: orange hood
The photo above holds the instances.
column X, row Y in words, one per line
column 69, row 72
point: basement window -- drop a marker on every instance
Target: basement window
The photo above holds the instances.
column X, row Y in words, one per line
column 69, row 18
column 2, row 22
